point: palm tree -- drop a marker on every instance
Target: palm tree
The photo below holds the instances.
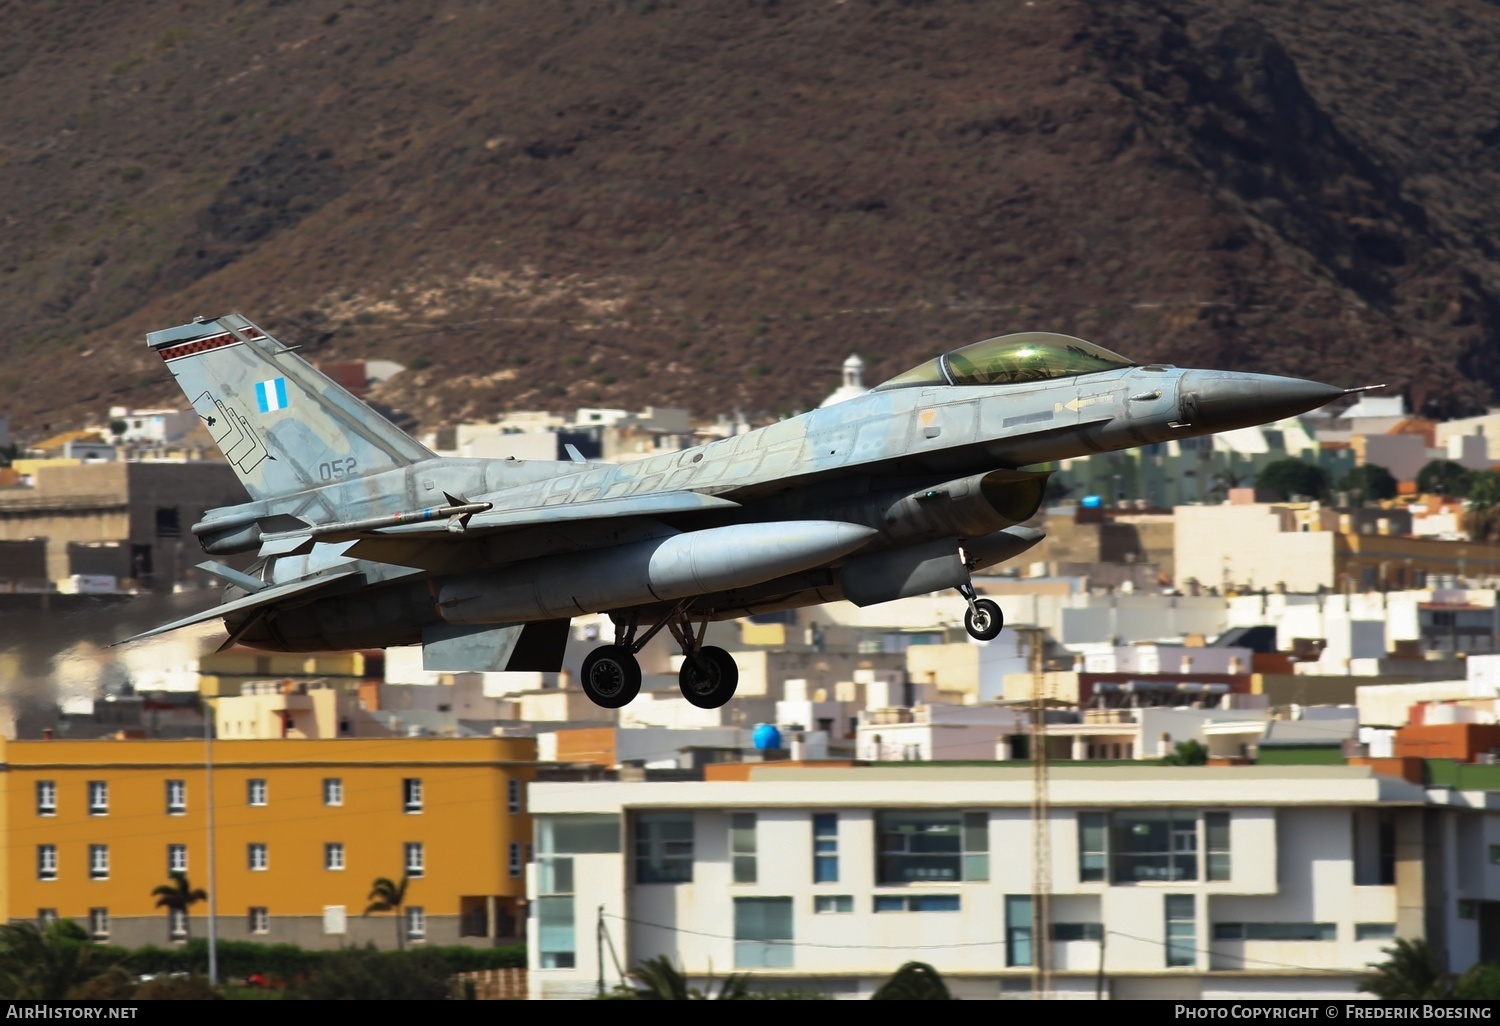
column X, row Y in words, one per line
column 179, row 896
column 662, row 981
column 386, row 896
column 914, row 981
column 1411, row 973
column 43, row 964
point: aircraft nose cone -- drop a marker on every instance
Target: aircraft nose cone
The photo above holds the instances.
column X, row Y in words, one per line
column 1223, row 400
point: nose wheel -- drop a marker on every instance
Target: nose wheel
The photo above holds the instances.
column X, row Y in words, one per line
column 983, row 619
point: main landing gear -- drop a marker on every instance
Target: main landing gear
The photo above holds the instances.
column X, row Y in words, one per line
column 983, row 619
column 612, row 676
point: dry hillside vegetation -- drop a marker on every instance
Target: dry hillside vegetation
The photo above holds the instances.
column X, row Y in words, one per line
column 712, row 203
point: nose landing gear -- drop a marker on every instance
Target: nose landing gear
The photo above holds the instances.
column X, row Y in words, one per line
column 983, row 619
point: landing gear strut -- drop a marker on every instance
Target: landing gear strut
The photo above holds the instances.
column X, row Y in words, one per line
column 612, row 676
column 983, row 620
column 708, row 676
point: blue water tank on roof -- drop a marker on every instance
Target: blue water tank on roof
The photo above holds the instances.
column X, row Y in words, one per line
column 766, row 736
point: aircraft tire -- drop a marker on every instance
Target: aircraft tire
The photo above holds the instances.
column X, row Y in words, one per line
column 713, row 689
column 988, row 624
column 611, row 676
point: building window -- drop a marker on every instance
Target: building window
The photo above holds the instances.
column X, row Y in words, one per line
column 46, row 797
column 1093, row 847
column 932, row 847
column 555, row 935
column 98, row 862
column 45, row 917
column 916, row 903
column 826, row 848
column 256, row 792
column 976, row 847
column 176, row 859
column 1077, row 931
column 177, row 924
column 513, row 794
column 1182, row 929
column 98, row 798
column 333, row 791
column 1159, row 845
column 168, row 522
column 333, row 856
column 1495, row 854
column 742, row 846
column 1374, row 848
column 258, row 857
column 1275, row 932
column 416, row 922
column 99, row 923
column 833, row 903
column 176, row 797
column 1018, row 930
column 1216, row 834
column 260, row 919
column 762, row 933
column 411, row 794
column 415, row 864
column 46, row 862
column 664, row 847
column 587, row 834
column 515, row 858
column 1374, row 931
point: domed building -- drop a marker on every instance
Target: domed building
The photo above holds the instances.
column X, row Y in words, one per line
column 854, row 382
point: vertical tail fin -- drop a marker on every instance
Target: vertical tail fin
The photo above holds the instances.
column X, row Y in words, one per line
column 282, row 425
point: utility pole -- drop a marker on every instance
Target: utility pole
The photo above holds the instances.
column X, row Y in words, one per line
column 599, row 944
column 1041, row 827
column 1099, row 980
column 213, row 889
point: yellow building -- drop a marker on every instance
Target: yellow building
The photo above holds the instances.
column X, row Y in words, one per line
column 286, row 709
column 301, row 831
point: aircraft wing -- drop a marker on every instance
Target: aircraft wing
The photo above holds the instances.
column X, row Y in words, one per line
column 266, row 596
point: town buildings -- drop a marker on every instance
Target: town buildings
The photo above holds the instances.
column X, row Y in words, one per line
column 1160, row 882
column 301, row 830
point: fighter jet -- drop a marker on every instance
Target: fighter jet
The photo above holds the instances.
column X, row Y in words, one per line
column 364, row 538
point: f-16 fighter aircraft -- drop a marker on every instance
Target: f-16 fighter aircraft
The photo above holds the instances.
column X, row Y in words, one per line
column 364, row 538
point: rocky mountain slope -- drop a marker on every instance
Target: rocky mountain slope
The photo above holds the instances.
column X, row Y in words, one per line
column 712, row 203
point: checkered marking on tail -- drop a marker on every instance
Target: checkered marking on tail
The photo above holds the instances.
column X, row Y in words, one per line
column 271, row 395
column 199, row 345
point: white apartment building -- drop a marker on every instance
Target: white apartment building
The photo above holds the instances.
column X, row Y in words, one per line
column 1165, row 882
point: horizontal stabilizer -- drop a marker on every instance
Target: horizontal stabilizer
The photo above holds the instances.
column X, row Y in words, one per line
column 264, row 597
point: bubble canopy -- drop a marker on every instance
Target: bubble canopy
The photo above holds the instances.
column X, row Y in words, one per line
column 1010, row 359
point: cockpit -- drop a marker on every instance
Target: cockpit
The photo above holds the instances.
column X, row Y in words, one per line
column 1010, row 359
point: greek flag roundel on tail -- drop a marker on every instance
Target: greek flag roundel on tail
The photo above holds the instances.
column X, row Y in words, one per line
column 282, row 425
column 270, row 396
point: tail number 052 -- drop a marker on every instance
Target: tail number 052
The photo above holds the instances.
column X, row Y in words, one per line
column 337, row 469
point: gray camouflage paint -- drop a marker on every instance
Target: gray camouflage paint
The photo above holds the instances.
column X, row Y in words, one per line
column 920, row 472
